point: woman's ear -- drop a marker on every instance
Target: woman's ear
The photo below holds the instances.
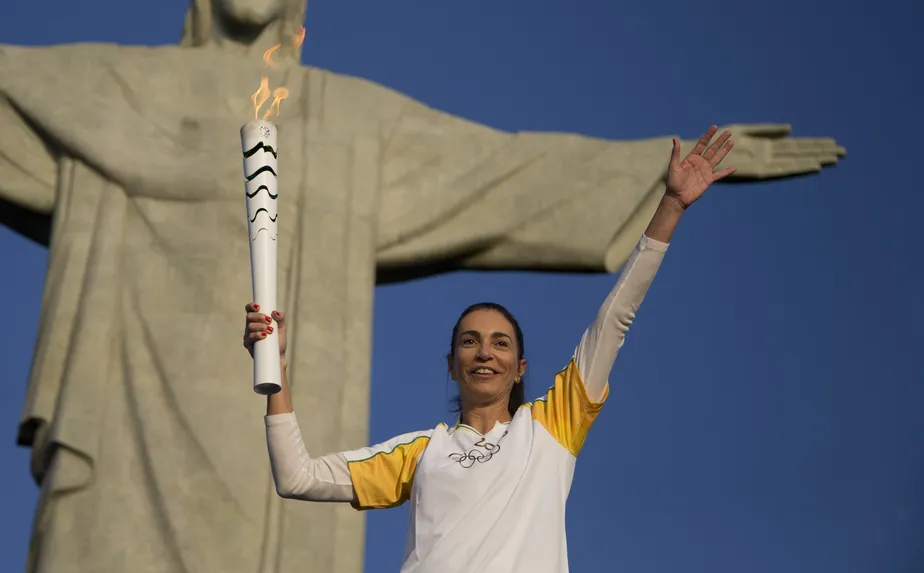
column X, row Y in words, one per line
column 522, row 369
column 450, row 367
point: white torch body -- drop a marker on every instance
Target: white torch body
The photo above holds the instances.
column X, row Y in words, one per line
column 260, row 152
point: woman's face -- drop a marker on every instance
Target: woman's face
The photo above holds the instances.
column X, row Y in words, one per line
column 484, row 361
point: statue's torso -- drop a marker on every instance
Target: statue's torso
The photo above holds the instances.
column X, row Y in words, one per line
column 140, row 367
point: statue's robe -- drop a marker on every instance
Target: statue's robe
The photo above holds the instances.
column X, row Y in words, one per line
column 148, row 440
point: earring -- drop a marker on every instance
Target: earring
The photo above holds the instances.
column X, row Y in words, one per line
column 517, row 380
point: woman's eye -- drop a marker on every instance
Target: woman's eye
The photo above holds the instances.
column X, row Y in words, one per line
column 502, row 343
column 467, row 341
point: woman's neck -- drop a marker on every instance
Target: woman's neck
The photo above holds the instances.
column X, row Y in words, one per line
column 483, row 418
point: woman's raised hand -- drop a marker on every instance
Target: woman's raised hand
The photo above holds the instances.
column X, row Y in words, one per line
column 688, row 179
column 260, row 325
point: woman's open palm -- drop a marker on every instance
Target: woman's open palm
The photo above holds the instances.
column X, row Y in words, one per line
column 687, row 180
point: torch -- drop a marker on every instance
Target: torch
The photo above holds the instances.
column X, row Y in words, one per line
column 258, row 144
column 259, row 139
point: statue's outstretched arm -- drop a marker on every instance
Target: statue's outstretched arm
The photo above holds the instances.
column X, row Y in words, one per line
column 457, row 194
column 28, row 175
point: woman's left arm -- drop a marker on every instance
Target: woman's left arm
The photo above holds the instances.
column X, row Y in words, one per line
column 687, row 180
column 603, row 339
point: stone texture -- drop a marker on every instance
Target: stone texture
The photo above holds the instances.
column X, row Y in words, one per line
column 147, row 439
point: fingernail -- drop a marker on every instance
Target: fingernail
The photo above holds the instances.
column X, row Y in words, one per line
column 263, row 334
column 256, row 306
column 269, row 328
column 275, row 313
column 268, row 319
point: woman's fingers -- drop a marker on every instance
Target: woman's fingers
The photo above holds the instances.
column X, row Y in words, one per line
column 251, row 338
column 721, row 153
column 723, row 173
column 703, row 141
column 675, row 153
column 254, row 314
column 258, row 318
column 259, row 325
column 716, row 147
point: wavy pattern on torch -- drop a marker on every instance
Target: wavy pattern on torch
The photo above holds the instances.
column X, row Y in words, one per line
column 262, row 169
column 257, row 234
column 263, row 210
column 262, row 188
column 266, row 149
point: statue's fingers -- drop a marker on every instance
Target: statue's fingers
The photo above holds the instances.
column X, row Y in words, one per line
column 783, row 167
column 790, row 147
column 761, row 130
column 802, row 148
column 825, row 144
column 808, row 165
column 824, row 152
column 827, row 149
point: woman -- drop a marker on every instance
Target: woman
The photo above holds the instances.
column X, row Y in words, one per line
column 489, row 494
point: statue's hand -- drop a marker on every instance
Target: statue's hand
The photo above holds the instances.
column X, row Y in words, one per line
column 765, row 151
column 259, row 326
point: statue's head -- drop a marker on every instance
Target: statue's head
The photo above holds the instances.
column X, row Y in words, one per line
column 245, row 25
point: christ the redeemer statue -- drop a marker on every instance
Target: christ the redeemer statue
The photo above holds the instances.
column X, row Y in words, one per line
column 125, row 160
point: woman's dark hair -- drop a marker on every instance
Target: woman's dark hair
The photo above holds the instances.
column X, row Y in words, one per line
column 518, row 392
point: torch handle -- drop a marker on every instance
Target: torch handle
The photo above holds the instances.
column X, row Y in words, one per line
column 266, row 368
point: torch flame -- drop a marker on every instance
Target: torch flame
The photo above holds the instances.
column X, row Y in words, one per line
column 279, row 94
column 260, row 96
column 267, row 56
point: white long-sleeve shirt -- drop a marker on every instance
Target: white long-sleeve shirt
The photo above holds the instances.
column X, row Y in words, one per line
column 491, row 502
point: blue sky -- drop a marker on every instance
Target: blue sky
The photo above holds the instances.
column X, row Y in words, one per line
column 765, row 414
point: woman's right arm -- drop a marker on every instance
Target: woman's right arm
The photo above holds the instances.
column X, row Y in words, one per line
column 373, row 477
column 296, row 474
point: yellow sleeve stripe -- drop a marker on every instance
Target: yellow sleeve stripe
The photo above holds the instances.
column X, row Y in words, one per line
column 384, row 479
column 566, row 411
